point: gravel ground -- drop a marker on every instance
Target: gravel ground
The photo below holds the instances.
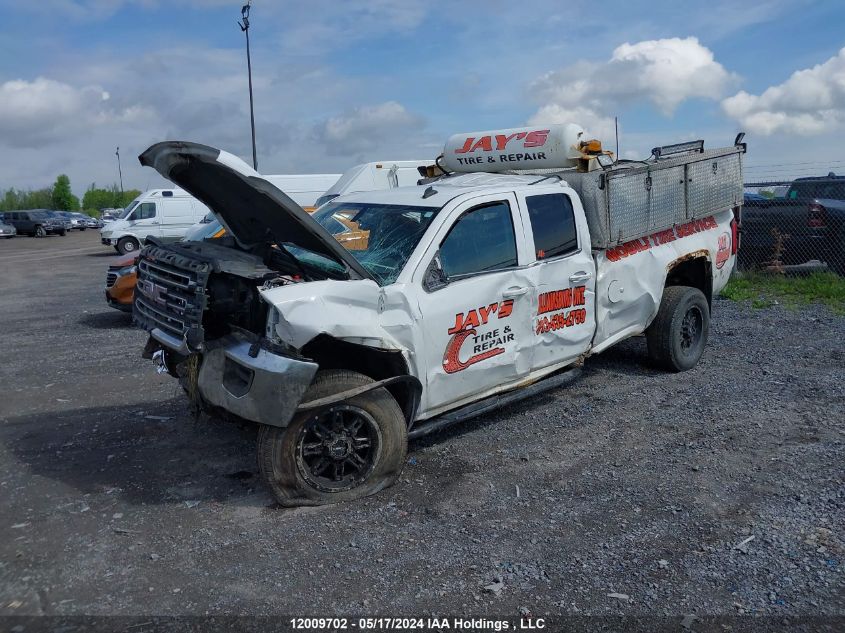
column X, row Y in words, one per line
column 633, row 492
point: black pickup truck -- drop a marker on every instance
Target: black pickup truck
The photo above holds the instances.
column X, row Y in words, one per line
column 807, row 224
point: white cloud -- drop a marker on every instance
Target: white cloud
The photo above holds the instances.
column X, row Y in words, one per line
column 366, row 127
column 595, row 125
column 811, row 101
column 35, row 113
column 665, row 72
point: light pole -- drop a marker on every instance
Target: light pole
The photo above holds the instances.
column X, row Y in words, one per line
column 245, row 28
column 120, row 173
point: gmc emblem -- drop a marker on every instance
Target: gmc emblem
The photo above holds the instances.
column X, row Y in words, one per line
column 158, row 294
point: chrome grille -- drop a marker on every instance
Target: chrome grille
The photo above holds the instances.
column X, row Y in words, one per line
column 170, row 292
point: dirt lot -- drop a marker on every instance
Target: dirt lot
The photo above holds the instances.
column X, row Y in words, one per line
column 717, row 491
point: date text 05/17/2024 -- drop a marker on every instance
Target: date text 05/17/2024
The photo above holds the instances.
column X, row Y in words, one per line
column 417, row 624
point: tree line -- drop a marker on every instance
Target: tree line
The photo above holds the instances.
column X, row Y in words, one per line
column 60, row 197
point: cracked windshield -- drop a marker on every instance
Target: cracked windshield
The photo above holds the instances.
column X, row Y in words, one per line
column 380, row 236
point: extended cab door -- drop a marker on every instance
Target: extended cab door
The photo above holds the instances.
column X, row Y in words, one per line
column 475, row 303
column 563, row 275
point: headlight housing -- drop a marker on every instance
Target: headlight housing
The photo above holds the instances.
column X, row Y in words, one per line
column 127, row 270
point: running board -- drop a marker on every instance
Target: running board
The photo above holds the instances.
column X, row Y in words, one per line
column 493, row 402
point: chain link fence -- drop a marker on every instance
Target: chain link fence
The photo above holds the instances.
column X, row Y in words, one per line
column 794, row 226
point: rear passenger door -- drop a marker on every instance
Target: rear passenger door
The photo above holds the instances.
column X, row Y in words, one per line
column 562, row 272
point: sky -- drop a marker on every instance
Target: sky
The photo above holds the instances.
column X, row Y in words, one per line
column 340, row 83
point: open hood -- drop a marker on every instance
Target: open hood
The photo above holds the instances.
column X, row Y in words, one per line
column 254, row 211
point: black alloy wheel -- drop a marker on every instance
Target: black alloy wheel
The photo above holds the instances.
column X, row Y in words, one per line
column 338, row 448
column 691, row 329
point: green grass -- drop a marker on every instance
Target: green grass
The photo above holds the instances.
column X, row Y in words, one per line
column 765, row 290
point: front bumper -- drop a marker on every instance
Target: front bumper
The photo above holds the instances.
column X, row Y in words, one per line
column 108, row 241
column 121, row 293
column 123, row 307
column 265, row 388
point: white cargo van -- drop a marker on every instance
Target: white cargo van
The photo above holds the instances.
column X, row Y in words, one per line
column 304, row 189
column 387, row 174
column 162, row 213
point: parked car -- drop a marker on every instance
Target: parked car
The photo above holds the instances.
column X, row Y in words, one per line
column 62, row 218
column 120, row 282
column 805, row 225
column 92, row 223
column 72, row 220
column 7, row 231
column 36, row 222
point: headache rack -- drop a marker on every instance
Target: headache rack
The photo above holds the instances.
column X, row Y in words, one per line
column 633, row 199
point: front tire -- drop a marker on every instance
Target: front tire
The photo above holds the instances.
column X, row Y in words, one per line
column 678, row 335
column 345, row 451
column 127, row 245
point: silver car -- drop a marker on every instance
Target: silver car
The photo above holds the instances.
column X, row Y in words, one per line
column 7, row 231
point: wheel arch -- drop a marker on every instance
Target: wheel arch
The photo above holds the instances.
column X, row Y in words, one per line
column 379, row 364
column 693, row 269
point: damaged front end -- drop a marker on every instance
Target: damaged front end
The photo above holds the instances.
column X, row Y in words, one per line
column 202, row 307
column 201, row 301
column 278, row 324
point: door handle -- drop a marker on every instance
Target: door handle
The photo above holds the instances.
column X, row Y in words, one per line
column 511, row 293
column 579, row 277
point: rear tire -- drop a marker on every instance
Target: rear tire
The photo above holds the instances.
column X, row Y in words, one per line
column 677, row 336
column 345, row 451
column 40, row 231
column 127, row 245
column 63, row 232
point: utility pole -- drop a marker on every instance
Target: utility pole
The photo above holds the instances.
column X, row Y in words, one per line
column 245, row 28
column 120, row 173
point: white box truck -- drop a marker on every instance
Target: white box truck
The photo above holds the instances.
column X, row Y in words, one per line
column 304, row 189
column 167, row 214
column 161, row 213
column 385, row 174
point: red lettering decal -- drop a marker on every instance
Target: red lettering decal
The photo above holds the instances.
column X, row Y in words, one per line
column 485, row 143
column 485, row 312
column 502, row 140
column 459, row 324
column 451, row 357
column 536, row 138
column 465, row 148
column 505, row 308
column 472, row 320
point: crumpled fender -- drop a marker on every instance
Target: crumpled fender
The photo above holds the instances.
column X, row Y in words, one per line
column 347, row 310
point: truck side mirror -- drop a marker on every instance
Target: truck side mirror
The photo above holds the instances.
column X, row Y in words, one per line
column 435, row 277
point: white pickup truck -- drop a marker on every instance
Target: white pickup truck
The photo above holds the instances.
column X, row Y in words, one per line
column 388, row 314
